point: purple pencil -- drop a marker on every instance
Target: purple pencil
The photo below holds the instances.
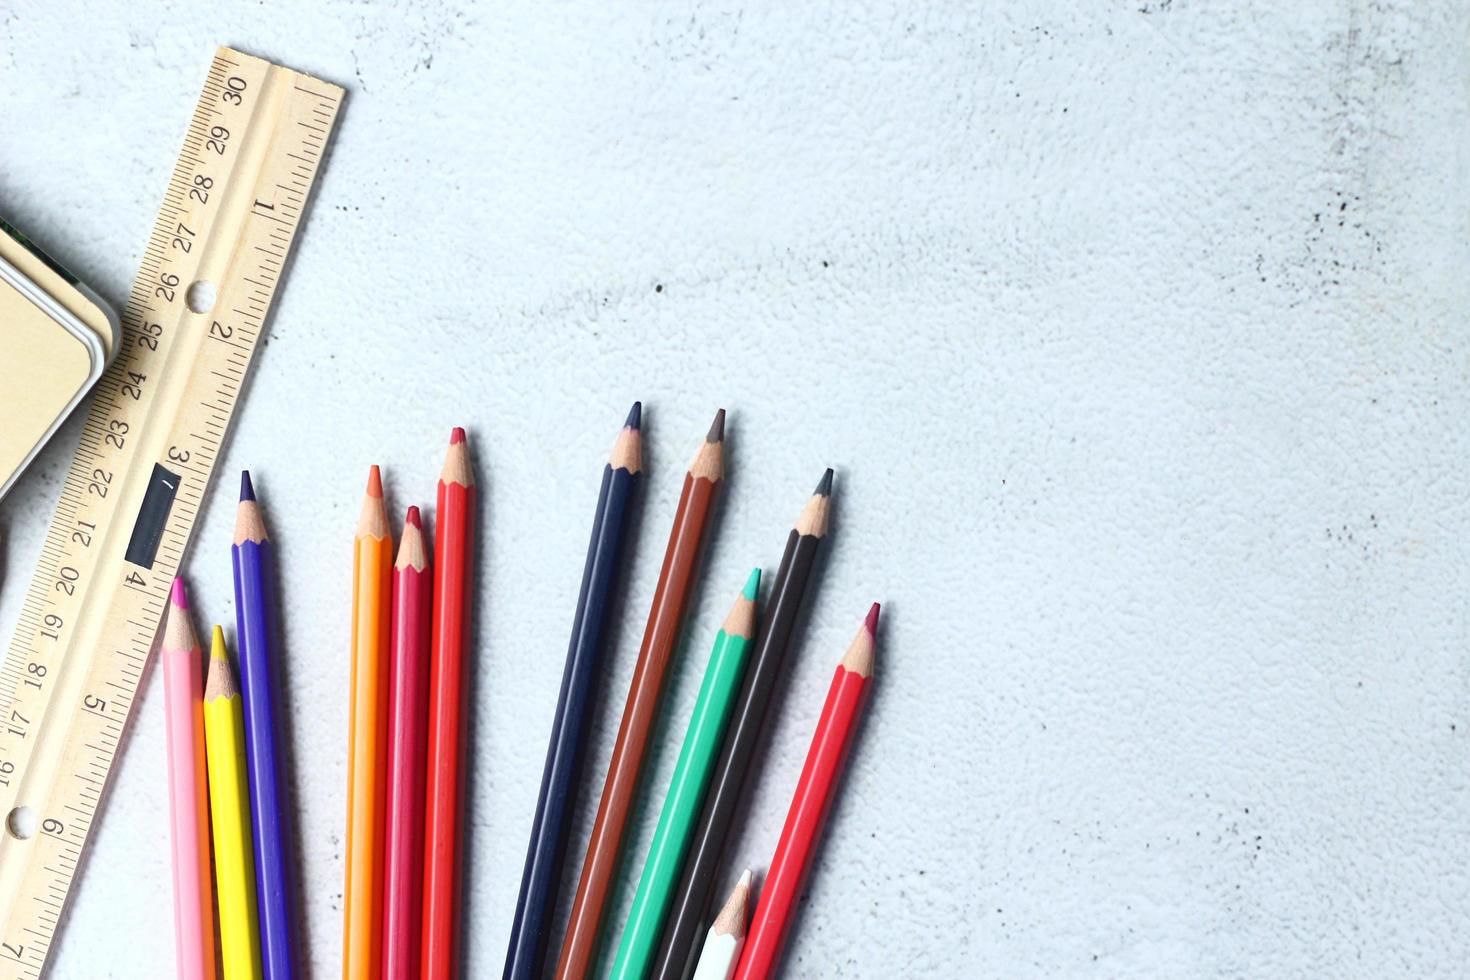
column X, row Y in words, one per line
column 256, row 624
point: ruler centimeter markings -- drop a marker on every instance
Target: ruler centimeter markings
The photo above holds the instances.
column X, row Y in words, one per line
column 130, row 499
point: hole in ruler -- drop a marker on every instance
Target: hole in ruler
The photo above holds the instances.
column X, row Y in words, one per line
column 21, row 823
column 200, row 296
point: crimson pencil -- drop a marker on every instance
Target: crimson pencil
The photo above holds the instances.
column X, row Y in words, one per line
column 815, row 789
column 444, row 787
column 408, row 704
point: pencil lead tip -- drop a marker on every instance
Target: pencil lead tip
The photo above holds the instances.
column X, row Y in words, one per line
column 871, row 623
column 375, row 481
column 733, row 914
column 413, row 519
column 635, row 416
column 217, row 641
column 752, row 585
column 247, row 489
column 457, row 436
column 177, row 595
column 717, row 428
column 824, row 485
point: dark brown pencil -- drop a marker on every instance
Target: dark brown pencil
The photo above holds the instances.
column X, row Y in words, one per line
column 689, row 913
column 675, row 582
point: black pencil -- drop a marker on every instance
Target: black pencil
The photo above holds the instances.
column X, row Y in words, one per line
column 689, row 914
column 537, row 900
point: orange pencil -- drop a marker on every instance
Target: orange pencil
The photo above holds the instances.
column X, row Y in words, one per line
column 367, row 750
column 444, row 789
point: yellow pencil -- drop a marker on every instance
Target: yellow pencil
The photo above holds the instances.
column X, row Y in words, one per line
column 234, row 862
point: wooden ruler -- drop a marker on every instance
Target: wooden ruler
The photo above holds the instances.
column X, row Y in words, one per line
column 131, row 497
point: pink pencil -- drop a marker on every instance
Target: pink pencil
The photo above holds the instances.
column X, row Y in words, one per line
column 183, row 706
column 408, row 732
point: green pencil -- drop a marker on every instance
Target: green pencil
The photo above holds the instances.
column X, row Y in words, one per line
column 686, row 792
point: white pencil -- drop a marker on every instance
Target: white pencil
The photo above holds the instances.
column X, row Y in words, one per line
column 725, row 938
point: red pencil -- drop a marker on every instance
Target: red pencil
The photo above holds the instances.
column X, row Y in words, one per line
column 444, row 791
column 408, row 703
column 814, row 790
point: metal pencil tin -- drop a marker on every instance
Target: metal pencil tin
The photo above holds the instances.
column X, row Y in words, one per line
column 56, row 338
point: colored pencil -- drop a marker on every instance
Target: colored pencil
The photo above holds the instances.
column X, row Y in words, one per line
column 453, row 578
column 671, row 595
column 403, row 887
column 536, row 904
column 717, row 694
column 367, row 743
column 689, row 915
column 187, row 793
column 229, row 810
column 727, row 936
column 836, row 729
column 256, row 626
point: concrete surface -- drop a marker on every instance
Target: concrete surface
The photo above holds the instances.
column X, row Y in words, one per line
column 1137, row 335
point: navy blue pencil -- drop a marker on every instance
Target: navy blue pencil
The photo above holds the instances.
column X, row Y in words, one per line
column 537, row 900
column 255, row 622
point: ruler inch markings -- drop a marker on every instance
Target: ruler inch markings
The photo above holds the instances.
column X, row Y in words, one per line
column 88, row 621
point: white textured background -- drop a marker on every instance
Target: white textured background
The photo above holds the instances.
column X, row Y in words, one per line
column 1138, row 338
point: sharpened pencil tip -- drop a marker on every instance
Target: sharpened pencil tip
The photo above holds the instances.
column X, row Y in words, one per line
column 375, row 481
column 412, row 518
column 177, row 595
column 732, row 918
column 824, row 485
column 717, row 428
column 871, row 623
column 457, row 436
column 635, row 416
column 752, row 585
column 247, row 489
column 219, row 681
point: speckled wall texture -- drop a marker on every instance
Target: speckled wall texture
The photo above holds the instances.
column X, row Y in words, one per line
column 1137, row 333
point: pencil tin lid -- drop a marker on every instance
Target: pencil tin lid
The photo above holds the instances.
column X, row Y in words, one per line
column 58, row 337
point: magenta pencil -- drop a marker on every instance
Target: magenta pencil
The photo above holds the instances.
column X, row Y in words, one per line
column 408, row 706
column 188, row 793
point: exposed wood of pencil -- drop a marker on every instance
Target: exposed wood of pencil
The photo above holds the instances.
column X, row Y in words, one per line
column 859, row 656
column 627, row 451
column 817, row 512
column 740, row 620
column 457, row 470
column 709, row 459
column 220, row 680
column 726, row 937
column 810, row 804
column 687, row 920
column 249, row 525
column 372, row 585
column 412, row 553
column 732, row 917
column 670, row 598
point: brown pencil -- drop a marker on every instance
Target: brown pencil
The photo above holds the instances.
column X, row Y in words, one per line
column 670, row 597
